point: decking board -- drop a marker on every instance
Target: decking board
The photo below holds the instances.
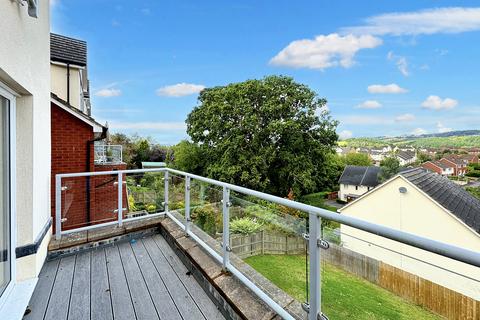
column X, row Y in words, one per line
column 141, row 279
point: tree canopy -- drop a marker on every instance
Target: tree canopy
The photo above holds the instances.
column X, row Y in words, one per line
column 271, row 135
column 390, row 167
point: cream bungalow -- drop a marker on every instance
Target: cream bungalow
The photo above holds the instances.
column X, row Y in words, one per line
column 426, row 204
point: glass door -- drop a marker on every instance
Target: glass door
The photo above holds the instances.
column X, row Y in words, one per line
column 5, row 212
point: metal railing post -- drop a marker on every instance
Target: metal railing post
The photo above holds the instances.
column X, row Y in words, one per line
column 187, row 204
column 315, row 303
column 165, row 202
column 226, row 227
column 120, row 199
column 58, row 207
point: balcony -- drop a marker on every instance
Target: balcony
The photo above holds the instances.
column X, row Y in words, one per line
column 107, row 154
column 160, row 240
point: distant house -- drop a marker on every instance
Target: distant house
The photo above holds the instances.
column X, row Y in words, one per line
column 382, row 149
column 459, row 164
column 344, row 150
column 76, row 138
column 403, row 148
column 470, row 158
column 441, row 168
column 406, row 157
column 426, row 204
column 357, row 180
column 378, row 156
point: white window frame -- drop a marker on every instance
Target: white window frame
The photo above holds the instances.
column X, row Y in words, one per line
column 11, row 96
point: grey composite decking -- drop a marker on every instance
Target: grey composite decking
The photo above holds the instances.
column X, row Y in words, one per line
column 141, row 280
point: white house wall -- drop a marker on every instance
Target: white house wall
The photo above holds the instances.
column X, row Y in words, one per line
column 413, row 212
column 25, row 68
column 346, row 189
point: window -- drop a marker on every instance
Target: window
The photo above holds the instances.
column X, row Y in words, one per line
column 5, row 212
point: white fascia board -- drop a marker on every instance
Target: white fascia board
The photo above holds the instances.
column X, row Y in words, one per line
column 95, row 125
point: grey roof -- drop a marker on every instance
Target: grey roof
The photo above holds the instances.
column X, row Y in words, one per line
column 360, row 176
column 449, row 195
column 441, row 164
column 68, row 50
column 405, row 155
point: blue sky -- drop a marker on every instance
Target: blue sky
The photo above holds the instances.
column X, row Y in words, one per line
column 385, row 67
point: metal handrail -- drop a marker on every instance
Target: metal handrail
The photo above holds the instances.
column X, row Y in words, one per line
column 315, row 214
column 101, row 150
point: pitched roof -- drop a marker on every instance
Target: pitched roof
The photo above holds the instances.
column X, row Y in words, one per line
column 68, row 50
column 97, row 127
column 449, row 195
column 360, row 176
column 441, row 164
column 405, row 155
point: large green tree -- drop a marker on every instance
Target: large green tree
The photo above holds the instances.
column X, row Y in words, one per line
column 271, row 135
column 390, row 167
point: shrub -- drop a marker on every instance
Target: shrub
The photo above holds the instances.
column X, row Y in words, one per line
column 204, row 217
column 474, row 173
column 151, row 207
column 245, row 226
column 131, row 204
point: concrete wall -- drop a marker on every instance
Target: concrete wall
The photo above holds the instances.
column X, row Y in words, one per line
column 59, row 84
column 25, row 68
column 413, row 212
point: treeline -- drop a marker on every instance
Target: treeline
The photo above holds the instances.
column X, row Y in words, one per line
column 427, row 142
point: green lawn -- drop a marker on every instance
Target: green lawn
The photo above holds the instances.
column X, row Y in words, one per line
column 317, row 200
column 344, row 295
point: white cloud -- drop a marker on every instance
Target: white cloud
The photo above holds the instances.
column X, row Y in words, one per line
column 419, row 131
column 369, row 104
column 387, row 88
column 441, row 128
column 345, row 134
column 437, row 103
column 108, row 92
column 405, row 117
column 402, row 65
column 429, row 21
column 180, row 90
column 325, row 51
column 365, row 120
column 160, row 126
column 401, row 62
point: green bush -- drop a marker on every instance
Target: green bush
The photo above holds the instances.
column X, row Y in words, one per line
column 474, row 173
column 205, row 218
column 245, row 226
column 177, row 205
column 151, row 207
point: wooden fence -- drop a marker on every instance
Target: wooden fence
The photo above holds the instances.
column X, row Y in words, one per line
column 265, row 242
column 441, row 300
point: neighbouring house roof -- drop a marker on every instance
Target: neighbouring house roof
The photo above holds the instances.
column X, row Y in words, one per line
column 68, row 50
column 406, row 155
column 97, row 127
column 449, row 195
column 441, row 164
column 458, row 159
column 360, row 176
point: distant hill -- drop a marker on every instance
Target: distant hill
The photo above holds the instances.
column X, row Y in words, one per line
column 451, row 139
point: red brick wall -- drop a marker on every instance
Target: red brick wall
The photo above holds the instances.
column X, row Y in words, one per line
column 80, row 206
column 69, row 155
column 449, row 163
column 105, row 194
column 432, row 167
